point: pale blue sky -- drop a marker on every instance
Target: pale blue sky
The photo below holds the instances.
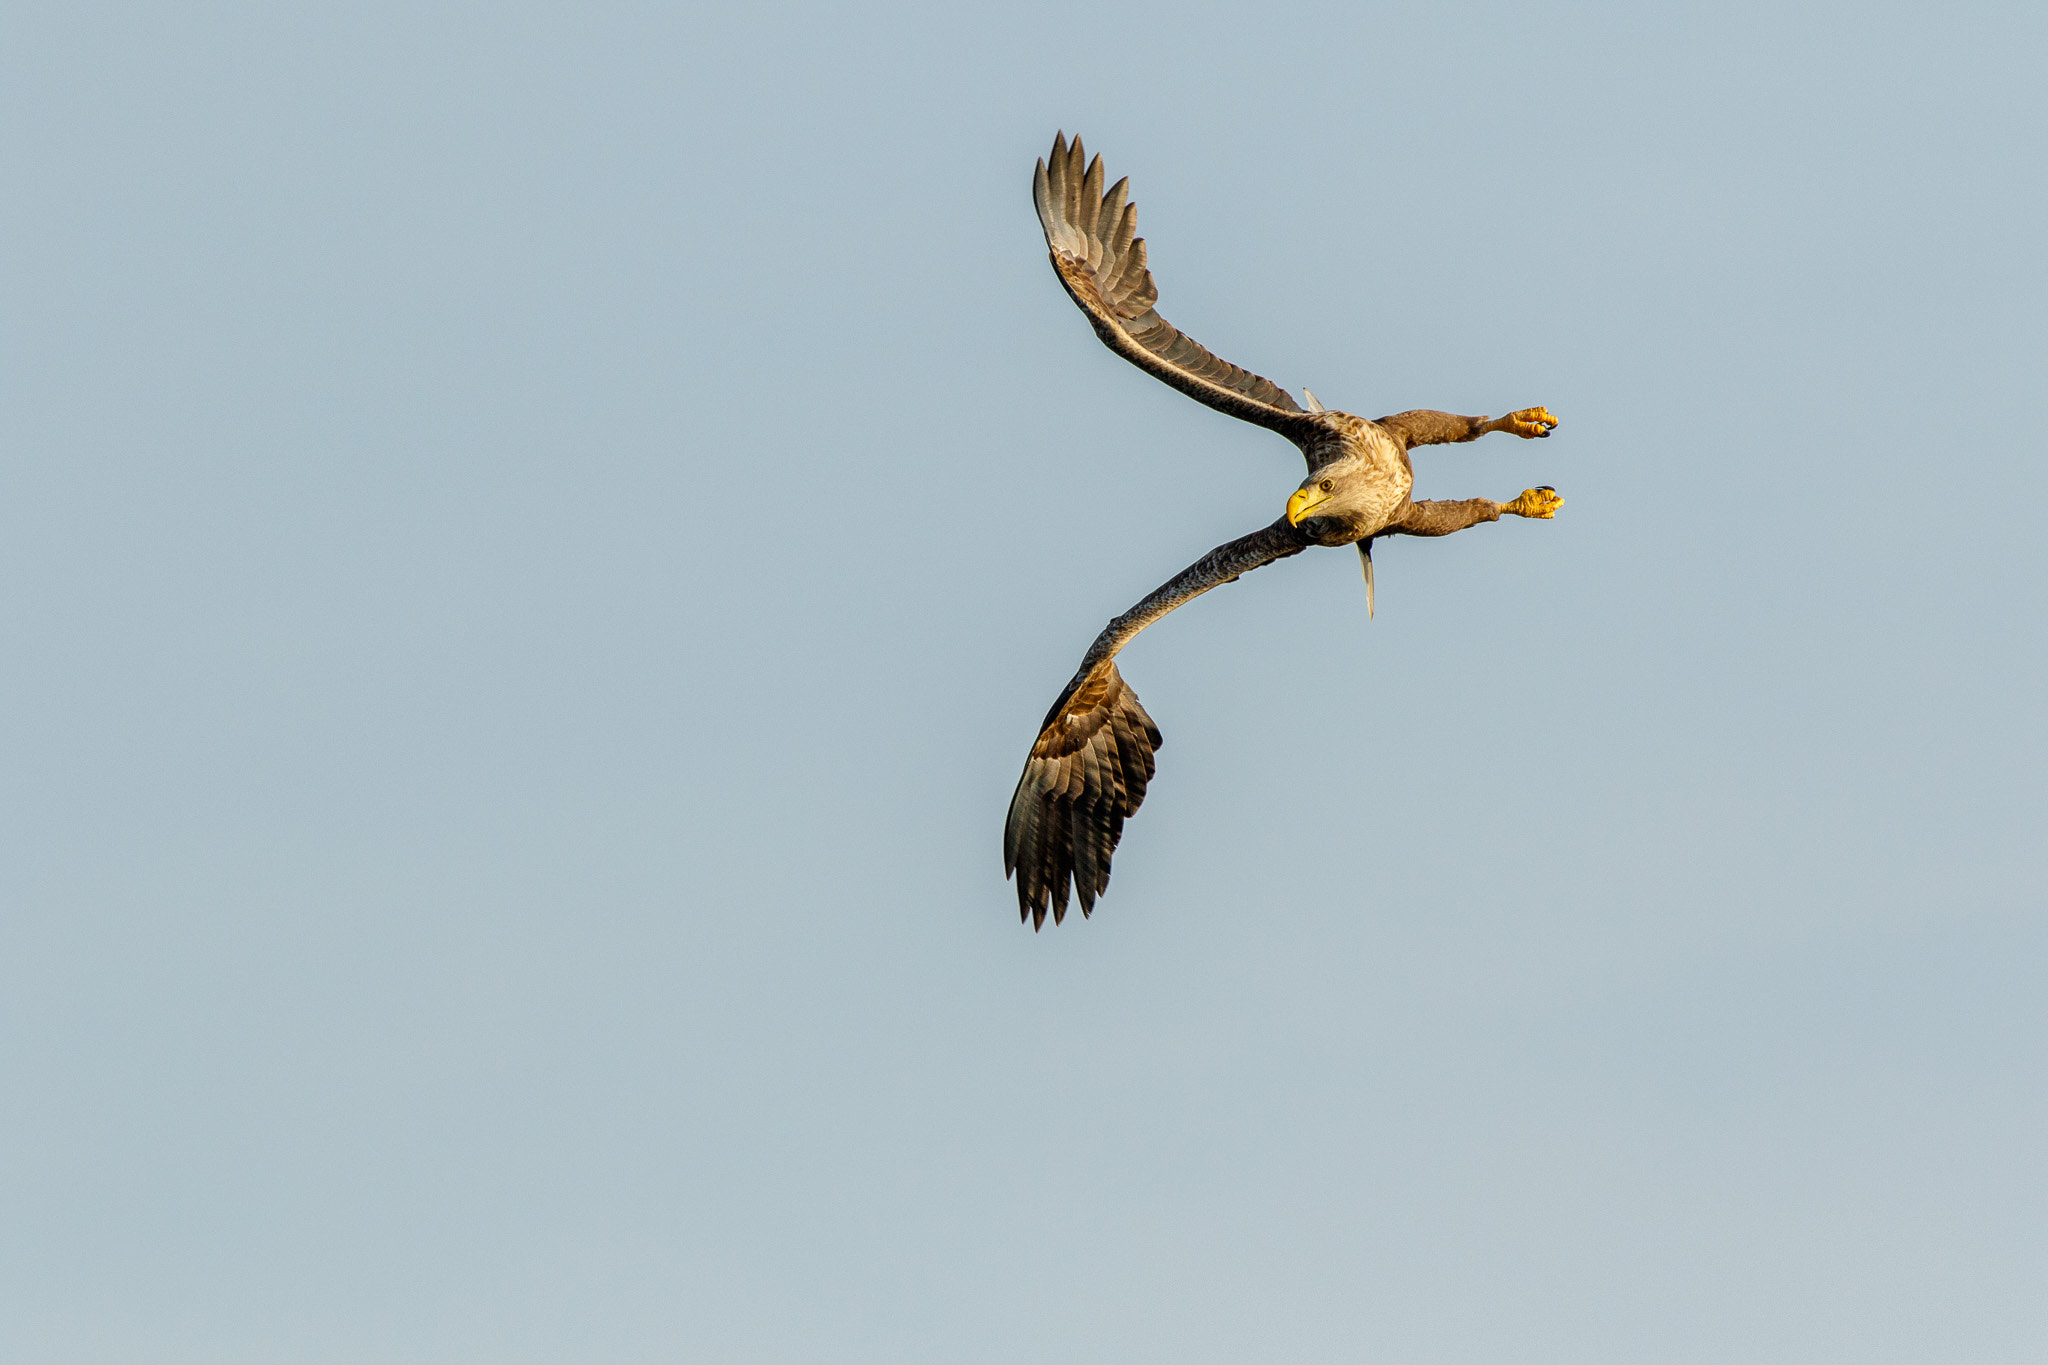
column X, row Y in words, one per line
column 533, row 543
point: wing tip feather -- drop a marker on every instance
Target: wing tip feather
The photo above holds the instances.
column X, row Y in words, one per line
column 1086, row 775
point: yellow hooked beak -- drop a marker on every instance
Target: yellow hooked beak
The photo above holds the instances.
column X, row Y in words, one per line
column 1303, row 502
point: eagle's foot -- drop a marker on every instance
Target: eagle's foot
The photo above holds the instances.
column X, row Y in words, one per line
column 1529, row 424
column 1541, row 503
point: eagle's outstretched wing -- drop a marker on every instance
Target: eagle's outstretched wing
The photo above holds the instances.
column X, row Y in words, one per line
column 1093, row 758
column 1101, row 261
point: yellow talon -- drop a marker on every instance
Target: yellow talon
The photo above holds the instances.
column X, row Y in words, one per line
column 1530, row 423
column 1540, row 503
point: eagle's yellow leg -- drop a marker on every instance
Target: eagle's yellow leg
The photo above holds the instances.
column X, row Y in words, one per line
column 1529, row 423
column 1541, row 503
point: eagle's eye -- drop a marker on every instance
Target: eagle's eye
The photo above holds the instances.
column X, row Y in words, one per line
column 1324, row 485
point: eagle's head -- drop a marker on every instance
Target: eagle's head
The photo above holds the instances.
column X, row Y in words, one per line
column 1338, row 504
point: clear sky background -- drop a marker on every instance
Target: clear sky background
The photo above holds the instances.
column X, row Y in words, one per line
column 533, row 543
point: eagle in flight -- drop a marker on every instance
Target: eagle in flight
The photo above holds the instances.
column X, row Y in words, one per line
column 1093, row 757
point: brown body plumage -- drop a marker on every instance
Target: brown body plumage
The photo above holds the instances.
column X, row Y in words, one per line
column 1094, row 755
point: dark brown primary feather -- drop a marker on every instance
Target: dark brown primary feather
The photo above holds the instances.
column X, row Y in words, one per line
column 1086, row 774
column 1092, row 235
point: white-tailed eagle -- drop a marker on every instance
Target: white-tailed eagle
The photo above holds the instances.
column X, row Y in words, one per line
column 1093, row 757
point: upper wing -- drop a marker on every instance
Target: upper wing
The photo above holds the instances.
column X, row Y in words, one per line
column 1102, row 263
column 1093, row 757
